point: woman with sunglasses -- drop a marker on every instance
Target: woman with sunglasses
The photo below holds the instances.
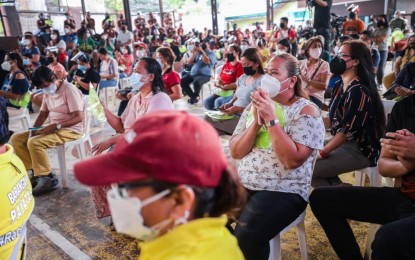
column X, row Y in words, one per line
column 356, row 117
column 277, row 141
column 177, row 207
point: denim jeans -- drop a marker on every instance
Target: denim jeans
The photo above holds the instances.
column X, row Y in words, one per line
column 334, row 206
column 214, row 102
column 197, row 81
column 107, row 83
column 265, row 215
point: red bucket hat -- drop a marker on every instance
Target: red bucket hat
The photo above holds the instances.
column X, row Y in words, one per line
column 169, row 146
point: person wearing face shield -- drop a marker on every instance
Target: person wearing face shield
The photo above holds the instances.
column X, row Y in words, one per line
column 314, row 71
column 277, row 141
column 356, row 117
column 176, row 208
column 63, row 105
column 87, row 75
column 146, row 80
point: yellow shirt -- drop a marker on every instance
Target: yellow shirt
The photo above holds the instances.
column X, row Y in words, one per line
column 16, row 201
column 265, row 53
column 205, row 238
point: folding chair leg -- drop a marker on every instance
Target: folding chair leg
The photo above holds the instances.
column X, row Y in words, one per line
column 62, row 165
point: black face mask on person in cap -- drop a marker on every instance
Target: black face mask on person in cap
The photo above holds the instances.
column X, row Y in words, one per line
column 249, row 71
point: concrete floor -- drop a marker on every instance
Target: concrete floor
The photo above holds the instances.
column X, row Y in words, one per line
column 63, row 224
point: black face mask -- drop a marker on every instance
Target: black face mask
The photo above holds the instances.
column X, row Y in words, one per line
column 49, row 60
column 337, row 66
column 249, row 71
column 282, row 25
column 230, row 57
column 411, row 45
column 352, row 15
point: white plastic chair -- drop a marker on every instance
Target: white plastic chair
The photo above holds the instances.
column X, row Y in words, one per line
column 388, row 105
column 373, row 174
column 22, row 115
column 275, row 243
column 110, row 91
column 79, row 144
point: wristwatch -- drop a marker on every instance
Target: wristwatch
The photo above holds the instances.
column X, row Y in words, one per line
column 58, row 126
column 272, row 123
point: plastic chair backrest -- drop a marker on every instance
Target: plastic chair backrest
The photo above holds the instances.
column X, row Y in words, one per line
column 387, row 106
column 87, row 116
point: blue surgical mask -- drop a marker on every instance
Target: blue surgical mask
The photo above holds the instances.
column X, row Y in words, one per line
column 51, row 90
column 26, row 62
column 135, row 81
column 82, row 68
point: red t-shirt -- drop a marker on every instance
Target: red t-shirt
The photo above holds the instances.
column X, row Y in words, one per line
column 290, row 34
column 231, row 73
column 170, row 79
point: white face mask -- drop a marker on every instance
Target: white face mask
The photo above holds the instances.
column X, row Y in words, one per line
column 315, row 53
column 141, row 53
column 53, row 36
column 104, row 37
column 272, row 85
column 67, row 30
column 336, row 49
column 6, row 66
column 126, row 214
column 124, row 51
column 51, row 90
column 88, row 35
column 26, row 42
column 244, row 47
column 135, row 81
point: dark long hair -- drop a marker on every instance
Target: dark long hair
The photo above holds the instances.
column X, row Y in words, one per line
column 15, row 56
column 41, row 75
column 252, row 54
column 364, row 71
column 229, row 197
column 152, row 66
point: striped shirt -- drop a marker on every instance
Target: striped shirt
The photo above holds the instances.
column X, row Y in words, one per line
column 352, row 112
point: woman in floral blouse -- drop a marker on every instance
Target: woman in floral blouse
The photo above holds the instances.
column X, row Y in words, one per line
column 277, row 152
column 356, row 117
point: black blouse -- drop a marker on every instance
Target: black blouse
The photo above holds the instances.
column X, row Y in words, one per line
column 353, row 113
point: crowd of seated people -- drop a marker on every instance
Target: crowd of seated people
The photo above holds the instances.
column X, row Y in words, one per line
column 270, row 90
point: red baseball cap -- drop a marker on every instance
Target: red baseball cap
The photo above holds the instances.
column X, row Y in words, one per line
column 169, row 146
